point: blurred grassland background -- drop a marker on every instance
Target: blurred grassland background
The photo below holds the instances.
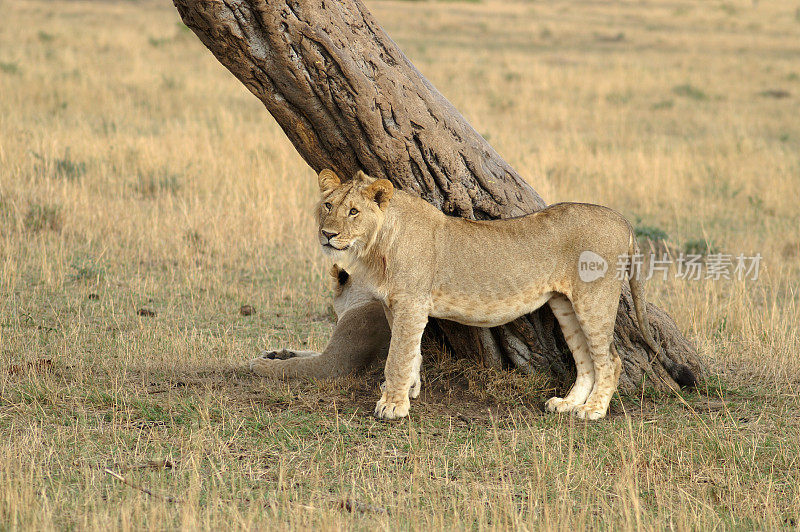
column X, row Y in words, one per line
column 138, row 177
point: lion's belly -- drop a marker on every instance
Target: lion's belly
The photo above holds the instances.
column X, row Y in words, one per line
column 486, row 310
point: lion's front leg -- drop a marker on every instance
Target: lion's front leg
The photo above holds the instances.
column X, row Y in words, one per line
column 416, row 384
column 403, row 362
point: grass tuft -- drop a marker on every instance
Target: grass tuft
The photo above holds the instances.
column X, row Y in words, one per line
column 87, row 269
column 9, row 68
column 155, row 183
column 42, row 217
column 690, row 91
column 60, row 167
column 699, row 247
column 651, row 232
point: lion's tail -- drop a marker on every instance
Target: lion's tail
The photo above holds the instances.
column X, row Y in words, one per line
column 679, row 372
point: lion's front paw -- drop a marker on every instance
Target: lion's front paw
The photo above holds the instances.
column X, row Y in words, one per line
column 394, row 408
column 590, row 412
column 557, row 404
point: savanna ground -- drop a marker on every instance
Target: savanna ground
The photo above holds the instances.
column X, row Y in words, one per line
column 145, row 196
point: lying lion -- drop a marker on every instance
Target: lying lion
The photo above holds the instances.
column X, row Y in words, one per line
column 360, row 337
column 409, row 261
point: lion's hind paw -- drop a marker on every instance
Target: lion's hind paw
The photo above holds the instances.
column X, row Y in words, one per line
column 557, row 404
column 590, row 412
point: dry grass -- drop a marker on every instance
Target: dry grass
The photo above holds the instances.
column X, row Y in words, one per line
column 135, row 173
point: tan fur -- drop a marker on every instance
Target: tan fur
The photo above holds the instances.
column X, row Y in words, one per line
column 361, row 336
column 421, row 263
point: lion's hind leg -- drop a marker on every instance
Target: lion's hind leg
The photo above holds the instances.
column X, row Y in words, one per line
column 573, row 334
column 597, row 323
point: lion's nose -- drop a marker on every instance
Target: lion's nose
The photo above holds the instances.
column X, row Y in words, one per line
column 328, row 235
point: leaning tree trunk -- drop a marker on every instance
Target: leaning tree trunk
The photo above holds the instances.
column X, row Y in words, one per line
column 349, row 99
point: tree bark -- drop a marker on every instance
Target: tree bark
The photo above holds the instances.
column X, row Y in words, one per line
column 349, row 100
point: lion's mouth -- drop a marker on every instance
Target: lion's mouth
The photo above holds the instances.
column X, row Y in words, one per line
column 331, row 246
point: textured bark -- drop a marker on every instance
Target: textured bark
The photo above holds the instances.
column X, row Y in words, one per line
column 350, row 100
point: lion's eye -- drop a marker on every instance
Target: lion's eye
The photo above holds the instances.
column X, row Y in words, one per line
column 327, row 206
column 353, row 211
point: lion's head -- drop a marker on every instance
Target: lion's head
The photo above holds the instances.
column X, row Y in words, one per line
column 350, row 214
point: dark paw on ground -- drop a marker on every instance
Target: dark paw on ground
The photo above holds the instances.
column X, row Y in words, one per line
column 146, row 312
column 283, row 354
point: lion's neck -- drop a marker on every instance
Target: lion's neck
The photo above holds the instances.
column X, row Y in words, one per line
column 371, row 264
column 406, row 214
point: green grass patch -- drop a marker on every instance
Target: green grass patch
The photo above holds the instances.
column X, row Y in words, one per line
column 691, row 92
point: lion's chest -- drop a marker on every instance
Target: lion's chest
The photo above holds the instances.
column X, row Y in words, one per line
column 489, row 309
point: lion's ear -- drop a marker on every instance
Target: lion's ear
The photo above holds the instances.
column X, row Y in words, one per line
column 380, row 192
column 328, row 180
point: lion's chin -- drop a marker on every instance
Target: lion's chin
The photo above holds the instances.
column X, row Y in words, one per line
column 333, row 251
column 345, row 257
